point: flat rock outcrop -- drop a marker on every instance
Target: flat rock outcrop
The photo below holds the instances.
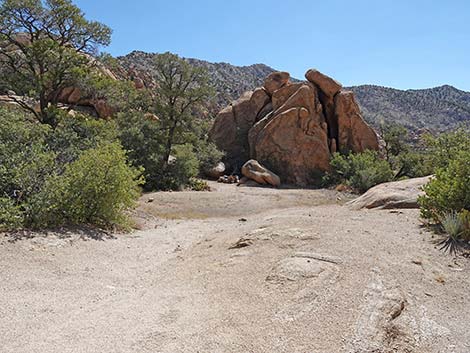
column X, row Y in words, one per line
column 396, row 194
column 292, row 128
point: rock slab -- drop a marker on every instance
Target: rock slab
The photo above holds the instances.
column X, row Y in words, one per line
column 396, row 194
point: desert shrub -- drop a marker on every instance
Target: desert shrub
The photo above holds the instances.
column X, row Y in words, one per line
column 183, row 166
column 208, row 155
column 140, row 135
column 449, row 190
column 25, row 160
column 71, row 174
column 75, row 134
column 11, row 216
column 361, row 171
column 465, row 219
column 411, row 165
column 196, row 184
column 98, row 188
column 442, row 148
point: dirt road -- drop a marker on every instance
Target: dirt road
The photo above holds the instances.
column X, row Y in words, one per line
column 237, row 270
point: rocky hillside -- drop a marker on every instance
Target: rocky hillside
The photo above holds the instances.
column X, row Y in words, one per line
column 229, row 81
column 439, row 108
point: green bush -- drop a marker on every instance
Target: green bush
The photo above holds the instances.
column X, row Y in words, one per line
column 464, row 216
column 196, row 184
column 74, row 173
column 98, row 188
column 411, row 165
column 441, row 149
column 179, row 170
column 361, row 171
column 11, row 216
column 141, row 135
column 208, row 155
column 449, row 190
column 75, row 134
column 142, row 138
column 25, row 159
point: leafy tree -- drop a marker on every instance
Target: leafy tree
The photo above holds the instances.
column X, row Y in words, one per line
column 396, row 139
column 46, row 46
column 141, row 136
column 181, row 90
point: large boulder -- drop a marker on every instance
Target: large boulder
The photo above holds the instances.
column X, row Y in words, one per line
column 275, row 81
column 294, row 143
column 292, row 128
column 232, row 124
column 353, row 132
column 326, row 84
column 281, row 95
column 255, row 171
column 397, row 194
column 224, row 132
column 216, row 171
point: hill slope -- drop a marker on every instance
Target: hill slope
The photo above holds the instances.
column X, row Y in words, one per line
column 230, row 81
column 439, row 108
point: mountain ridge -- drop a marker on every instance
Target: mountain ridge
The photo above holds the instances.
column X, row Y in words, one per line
column 437, row 109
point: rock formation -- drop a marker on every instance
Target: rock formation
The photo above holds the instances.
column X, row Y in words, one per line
column 292, row 128
column 255, row 171
column 396, row 194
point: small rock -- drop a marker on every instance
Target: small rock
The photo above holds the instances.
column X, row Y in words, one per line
column 241, row 243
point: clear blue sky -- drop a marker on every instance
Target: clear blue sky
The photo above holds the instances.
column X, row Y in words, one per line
column 396, row 43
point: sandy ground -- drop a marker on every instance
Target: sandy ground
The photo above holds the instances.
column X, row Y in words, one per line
column 237, row 270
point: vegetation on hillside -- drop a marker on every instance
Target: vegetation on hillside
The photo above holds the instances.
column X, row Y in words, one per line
column 436, row 109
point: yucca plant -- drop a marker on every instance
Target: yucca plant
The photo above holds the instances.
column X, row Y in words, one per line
column 454, row 228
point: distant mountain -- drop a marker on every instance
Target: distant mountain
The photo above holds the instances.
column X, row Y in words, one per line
column 230, row 81
column 438, row 109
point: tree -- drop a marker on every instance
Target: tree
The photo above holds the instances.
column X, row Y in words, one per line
column 46, row 45
column 181, row 90
column 395, row 139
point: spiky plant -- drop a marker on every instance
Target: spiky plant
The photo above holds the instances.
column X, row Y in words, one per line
column 453, row 227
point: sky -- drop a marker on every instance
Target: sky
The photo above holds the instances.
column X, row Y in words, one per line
column 393, row 43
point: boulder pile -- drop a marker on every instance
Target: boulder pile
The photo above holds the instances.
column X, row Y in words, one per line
column 292, row 128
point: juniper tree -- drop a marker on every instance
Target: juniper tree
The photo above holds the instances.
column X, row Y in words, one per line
column 181, row 89
column 45, row 46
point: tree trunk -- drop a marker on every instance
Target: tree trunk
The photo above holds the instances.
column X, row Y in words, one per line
column 169, row 145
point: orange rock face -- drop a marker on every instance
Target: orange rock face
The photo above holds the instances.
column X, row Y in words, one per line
column 326, row 84
column 293, row 145
column 353, row 132
column 292, row 128
column 275, row 81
